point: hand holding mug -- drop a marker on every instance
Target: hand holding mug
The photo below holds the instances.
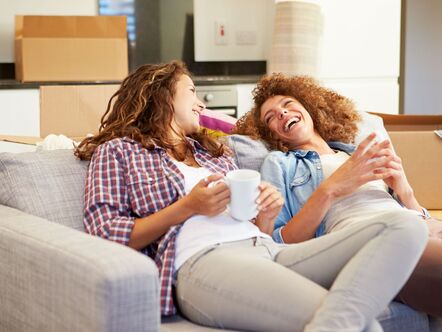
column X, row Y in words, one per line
column 270, row 202
column 208, row 199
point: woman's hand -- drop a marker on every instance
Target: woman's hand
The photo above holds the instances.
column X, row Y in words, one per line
column 366, row 164
column 394, row 173
column 269, row 203
column 208, row 200
column 395, row 178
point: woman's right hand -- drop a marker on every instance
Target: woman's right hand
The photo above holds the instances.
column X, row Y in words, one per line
column 359, row 169
column 206, row 199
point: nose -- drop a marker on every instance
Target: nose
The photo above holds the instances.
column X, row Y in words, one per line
column 281, row 113
column 199, row 106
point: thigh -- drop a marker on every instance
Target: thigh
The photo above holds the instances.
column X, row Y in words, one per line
column 423, row 291
column 321, row 259
column 244, row 289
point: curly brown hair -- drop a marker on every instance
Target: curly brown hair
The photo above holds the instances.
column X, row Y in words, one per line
column 334, row 116
column 142, row 109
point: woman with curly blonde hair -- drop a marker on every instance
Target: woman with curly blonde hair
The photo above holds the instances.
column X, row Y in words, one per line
column 329, row 185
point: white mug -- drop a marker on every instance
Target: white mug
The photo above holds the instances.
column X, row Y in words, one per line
column 244, row 190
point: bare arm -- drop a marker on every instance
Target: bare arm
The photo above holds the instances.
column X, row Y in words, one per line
column 303, row 225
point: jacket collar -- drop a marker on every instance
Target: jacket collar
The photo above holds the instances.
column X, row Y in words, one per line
column 347, row 148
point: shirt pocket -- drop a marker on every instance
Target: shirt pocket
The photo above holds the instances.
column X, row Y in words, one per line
column 148, row 192
column 300, row 179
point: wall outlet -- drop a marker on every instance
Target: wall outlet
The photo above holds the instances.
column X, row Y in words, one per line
column 245, row 37
column 221, row 33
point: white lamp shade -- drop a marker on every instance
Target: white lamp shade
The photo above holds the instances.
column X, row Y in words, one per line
column 296, row 38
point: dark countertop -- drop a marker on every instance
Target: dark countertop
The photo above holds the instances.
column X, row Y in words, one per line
column 230, row 79
column 199, row 80
column 13, row 84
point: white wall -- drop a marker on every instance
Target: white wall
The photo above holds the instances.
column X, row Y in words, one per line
column 360, row 56
column 10, row 8
column 248, row 28
column 423, row 57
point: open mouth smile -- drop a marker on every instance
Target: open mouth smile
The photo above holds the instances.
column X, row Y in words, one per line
column 291, row 122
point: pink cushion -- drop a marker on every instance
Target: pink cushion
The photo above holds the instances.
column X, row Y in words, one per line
column 217, row 121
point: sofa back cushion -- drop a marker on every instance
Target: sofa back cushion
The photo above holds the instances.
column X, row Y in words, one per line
column 48, row 184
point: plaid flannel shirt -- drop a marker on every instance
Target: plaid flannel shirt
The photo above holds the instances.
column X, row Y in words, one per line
column 126, row 181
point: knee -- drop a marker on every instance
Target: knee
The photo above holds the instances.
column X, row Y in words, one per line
column 412, row 227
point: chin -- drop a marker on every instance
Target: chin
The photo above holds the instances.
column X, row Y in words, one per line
column 194, row 130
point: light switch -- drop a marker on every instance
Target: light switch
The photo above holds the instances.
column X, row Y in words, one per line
column 221, row 33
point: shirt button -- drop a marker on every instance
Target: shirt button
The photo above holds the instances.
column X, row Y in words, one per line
column 318, row 167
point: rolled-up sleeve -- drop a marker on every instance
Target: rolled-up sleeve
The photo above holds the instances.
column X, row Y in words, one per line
column 107, row 213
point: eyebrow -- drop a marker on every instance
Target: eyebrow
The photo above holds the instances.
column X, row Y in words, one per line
column 283, row 100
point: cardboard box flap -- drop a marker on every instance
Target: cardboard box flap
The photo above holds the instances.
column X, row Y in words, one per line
column 400, row 122
column 70, row 26
column 29, row 140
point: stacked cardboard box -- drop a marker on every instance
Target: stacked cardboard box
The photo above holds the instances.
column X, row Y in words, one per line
column 70, row 48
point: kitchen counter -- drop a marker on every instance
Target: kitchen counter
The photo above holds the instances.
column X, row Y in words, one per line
column 199, row 80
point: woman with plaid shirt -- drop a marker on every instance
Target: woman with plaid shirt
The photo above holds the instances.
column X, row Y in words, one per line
column 153, row 185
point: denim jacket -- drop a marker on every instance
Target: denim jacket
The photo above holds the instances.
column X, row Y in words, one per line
column 296, row 174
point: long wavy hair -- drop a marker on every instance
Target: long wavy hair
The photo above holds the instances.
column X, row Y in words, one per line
column 334, row 116
column 142, row 109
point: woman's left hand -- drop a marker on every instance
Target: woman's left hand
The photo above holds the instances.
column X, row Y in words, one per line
column 397, row 180
column 269, row 202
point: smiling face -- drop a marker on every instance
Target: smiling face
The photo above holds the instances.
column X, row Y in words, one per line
column 289, row 120
column 187, row 107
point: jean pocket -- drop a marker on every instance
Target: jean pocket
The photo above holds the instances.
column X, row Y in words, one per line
column 190, row 263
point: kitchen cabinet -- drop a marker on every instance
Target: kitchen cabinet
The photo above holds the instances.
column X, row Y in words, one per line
column 20, row 112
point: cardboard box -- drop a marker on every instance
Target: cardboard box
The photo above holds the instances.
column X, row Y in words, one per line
column 70, row 48
column 73, row 110
column 420, row 149
column 70, row 110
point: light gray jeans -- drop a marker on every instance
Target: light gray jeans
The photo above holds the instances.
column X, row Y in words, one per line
column 338, row 282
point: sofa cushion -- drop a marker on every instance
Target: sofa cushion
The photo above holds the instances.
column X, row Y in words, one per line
column 48, row 184
column 400, row 317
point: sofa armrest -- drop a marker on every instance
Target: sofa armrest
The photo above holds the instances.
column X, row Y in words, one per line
column 54, row 278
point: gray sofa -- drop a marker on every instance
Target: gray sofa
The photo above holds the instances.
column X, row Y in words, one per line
column 54, row 277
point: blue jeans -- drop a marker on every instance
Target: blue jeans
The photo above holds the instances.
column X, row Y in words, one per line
column 338, row 282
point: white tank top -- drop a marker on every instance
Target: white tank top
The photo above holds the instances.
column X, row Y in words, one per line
column 200, row 231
